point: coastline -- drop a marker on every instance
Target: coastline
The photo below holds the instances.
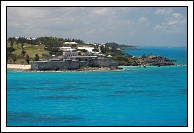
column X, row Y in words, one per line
column 19, row 66
column 27, row 68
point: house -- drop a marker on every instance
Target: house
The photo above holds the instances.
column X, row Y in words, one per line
column 89, row 49
column 70, row 44
column 66, row 49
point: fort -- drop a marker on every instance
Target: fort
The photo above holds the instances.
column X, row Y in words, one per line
column 74, row 63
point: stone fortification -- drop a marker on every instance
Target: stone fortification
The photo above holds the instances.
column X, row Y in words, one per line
column 55, row 65
column 73, row 64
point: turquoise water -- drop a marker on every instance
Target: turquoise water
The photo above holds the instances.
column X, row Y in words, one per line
column 175, row 53
column 152, row 96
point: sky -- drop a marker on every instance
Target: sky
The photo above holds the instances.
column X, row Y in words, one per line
column 138, row 26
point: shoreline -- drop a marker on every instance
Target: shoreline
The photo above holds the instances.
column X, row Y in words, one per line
column 27, row 68
column 19, row 66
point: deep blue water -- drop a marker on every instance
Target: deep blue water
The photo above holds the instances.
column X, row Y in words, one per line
column 152, row 96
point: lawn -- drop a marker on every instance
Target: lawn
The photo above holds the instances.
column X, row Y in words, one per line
column 31, row 50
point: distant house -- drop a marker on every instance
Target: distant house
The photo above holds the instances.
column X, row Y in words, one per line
column 70, row 44
column 89, row 49
column 66, row 49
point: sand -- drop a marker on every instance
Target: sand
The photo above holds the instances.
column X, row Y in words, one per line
column 19, row 66
column 87, row 69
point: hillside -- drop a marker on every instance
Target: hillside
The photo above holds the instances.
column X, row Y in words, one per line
column 30, row 50
column 23, row 50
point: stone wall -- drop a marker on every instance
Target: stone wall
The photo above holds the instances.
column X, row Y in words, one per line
column 103, row 62
column 68, row 54
column 55, row 65
column 72, row 64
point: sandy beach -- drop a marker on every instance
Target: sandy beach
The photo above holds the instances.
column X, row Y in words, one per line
column 19, row 66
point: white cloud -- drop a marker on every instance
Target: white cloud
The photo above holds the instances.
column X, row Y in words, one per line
column 144, row 20
column 172, row 22
column 163, row 11
column 93, row 24
column 100, row 11
column 158, row 28
column 176, row 15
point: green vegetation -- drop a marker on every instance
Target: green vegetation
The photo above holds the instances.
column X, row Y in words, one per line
column 23, row 50
column 114, row 50
column 18, row 54
column 27, row 59
column 36, row 58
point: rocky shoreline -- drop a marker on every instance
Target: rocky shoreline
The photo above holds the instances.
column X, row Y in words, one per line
column 26, row 68
column 138, row 61
column 86, row 69
column 156, row 61
column 141, row 61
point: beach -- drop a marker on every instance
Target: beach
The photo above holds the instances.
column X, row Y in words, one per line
column 19, row 66
column 28, row 67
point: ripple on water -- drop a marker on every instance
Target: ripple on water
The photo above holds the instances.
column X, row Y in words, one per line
column 32, row 117
column 153, row 93
column 60, row 97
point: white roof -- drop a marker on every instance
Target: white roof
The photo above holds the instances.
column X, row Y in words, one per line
column 89, row 49
column 70, row 43
column 66, row 48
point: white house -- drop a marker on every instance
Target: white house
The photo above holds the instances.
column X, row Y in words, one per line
column 69, row 44
column 89, row 49
column 66, row 48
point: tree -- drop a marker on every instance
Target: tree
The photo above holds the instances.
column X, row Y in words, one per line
column 45, row 56
column 9, row 51
column 27, row 58
column 113, row 45
column 103, row 49
column 36, row 57
column 11, row 40
column 14, row 58
column 23, row 52
column 11, row 43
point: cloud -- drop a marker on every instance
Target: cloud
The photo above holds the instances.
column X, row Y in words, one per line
column 163, row 11
column 101, row 11
column 176, row 15
column 95, row 24
column 144, row 20
column 173, row 22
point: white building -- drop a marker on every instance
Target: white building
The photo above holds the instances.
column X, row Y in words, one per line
column 70, row 44
column 89, row 49
column 66, row 49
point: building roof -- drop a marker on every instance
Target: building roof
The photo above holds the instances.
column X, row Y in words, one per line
column 70, row 43
column 66, row 48
column 89, row 49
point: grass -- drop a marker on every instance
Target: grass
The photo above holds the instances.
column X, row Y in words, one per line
column 31, row 50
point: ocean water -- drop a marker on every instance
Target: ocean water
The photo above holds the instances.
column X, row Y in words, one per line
column 175, row 53
column 151, row 96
